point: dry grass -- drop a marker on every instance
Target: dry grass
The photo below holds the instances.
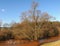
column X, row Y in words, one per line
column 56, row 43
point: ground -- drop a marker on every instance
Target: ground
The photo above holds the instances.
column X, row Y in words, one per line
column 56, row 43
column 53, row 41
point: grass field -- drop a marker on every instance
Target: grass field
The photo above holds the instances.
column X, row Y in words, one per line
column 56, row 43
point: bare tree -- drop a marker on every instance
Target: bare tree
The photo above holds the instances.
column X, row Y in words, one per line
column 5, row 25
column 36, row 17
column 0, row 24
column 32, row 16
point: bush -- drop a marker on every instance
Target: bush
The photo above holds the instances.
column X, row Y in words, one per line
column 6, row 34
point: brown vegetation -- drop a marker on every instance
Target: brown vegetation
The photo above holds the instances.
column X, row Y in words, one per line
column 33, row 27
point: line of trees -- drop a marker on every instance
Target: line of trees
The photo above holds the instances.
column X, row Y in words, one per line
column 35, row 25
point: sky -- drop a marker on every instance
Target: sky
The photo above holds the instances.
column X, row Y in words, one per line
column 10, row 10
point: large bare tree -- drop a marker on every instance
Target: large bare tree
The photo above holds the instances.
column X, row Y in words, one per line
column 35, row 16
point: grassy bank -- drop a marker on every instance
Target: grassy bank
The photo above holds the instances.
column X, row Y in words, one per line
column 56, row 43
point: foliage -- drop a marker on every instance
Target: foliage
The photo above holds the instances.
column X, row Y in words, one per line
column 35, row 25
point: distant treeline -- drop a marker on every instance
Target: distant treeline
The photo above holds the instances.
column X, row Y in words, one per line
column 27, row 31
